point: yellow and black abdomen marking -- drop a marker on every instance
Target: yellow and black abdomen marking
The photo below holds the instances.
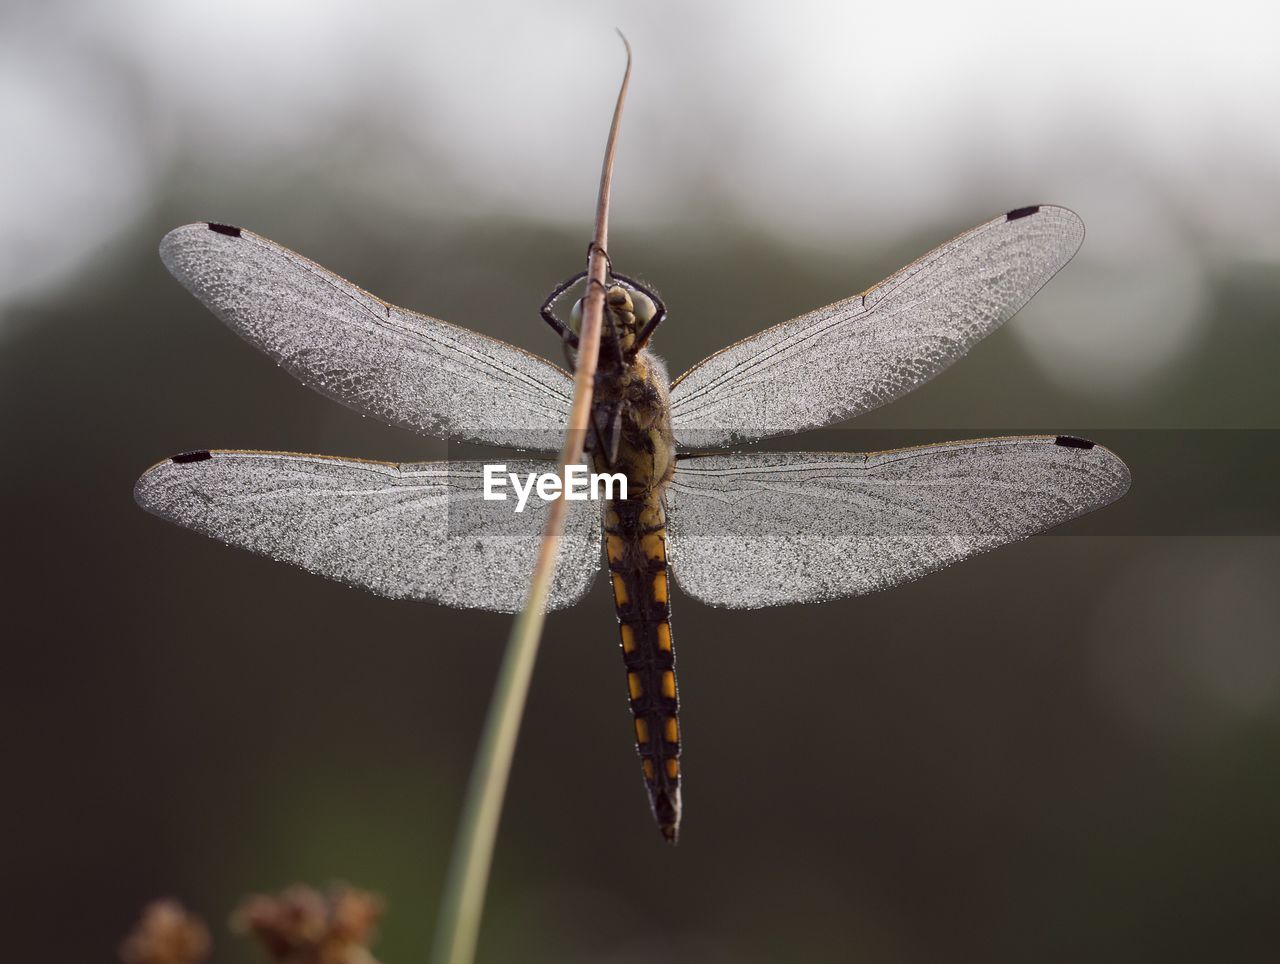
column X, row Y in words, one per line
column 635, row 539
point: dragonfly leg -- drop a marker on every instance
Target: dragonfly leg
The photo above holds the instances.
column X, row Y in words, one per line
column 595, row 442
column 659, row 317
column 607, row 437
column 615, row 434
column 548, row 313
column 592, row 247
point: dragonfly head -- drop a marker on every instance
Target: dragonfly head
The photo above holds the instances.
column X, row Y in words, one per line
column 626, row 312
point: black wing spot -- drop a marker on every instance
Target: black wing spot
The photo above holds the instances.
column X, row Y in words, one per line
column 187, row 457
column 1071, row 442
column 1022, row 212
column 688, row 456
column 229, row 230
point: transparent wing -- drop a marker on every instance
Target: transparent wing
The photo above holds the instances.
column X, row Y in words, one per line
column 858, row 354
column 404, row 531
column 405, row 368
column 754, row 530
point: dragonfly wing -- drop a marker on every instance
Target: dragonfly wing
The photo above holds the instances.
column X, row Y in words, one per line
column 421, row 531
column 857, row 354
column 752, row 530
column 402, row 367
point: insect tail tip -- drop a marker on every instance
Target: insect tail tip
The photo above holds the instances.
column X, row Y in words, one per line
column 666, row 808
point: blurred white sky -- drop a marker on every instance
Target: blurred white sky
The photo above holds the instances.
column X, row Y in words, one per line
column 825, row 123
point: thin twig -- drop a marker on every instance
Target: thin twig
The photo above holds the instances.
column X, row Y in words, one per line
column 459, row 927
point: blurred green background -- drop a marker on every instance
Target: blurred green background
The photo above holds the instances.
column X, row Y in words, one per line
column 1065, row 749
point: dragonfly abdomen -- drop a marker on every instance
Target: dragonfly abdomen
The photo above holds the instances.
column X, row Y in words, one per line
column 635, row 538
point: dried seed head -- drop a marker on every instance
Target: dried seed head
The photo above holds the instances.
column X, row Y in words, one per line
column 166, row 934
column 303, row 926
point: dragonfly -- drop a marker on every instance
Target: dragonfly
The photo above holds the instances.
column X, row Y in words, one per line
column 736, row 529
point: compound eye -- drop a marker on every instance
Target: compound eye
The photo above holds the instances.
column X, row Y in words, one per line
column 575, row 317
column 642, row 307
